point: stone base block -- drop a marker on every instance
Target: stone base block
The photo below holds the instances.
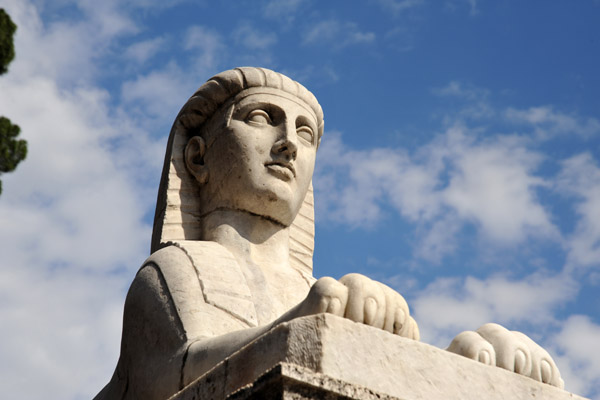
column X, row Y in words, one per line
column 327, row 357
column 292, row 382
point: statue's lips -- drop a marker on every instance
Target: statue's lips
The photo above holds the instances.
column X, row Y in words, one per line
column 285, row 170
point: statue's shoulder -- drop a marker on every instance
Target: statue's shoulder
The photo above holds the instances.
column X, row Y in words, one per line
column 202, row 259
column 178, row 253
column 209, row 269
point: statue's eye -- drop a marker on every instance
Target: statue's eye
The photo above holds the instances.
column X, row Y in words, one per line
column 305, row 132
column 259, row 117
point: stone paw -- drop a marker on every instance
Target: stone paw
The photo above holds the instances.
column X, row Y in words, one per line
column 493, row 344
column 363, row 300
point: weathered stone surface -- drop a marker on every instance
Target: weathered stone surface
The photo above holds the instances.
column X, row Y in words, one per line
column 232, row 262
column 336, row 357
column 493, row 344
column 289, row 381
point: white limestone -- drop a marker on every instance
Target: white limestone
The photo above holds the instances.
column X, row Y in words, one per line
column 495, row 345
column 233, row 241
column 335, row 356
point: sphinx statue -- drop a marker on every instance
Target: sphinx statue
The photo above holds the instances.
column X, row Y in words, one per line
column 233, row 240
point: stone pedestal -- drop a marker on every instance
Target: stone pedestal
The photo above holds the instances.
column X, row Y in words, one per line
column 327, row 357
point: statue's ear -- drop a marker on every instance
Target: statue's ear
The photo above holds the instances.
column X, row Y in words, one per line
column 194, row 159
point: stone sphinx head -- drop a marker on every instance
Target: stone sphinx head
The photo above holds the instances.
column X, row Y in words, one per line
column 246, row 140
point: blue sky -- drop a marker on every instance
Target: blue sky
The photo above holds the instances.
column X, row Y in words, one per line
column 460, row 163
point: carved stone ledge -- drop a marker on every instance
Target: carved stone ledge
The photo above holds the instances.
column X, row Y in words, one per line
column 289, row 381
column 327, row 357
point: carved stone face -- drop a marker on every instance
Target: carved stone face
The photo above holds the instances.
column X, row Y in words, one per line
column 263, row 160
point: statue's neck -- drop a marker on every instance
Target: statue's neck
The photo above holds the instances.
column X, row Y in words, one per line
column 252, row 239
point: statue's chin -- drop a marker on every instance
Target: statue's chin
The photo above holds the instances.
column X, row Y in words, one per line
column 274, row 208
column 273, row 200
column 283, row 217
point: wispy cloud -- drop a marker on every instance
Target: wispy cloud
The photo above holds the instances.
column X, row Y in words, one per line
column 400, row 38
column 157, row 94
column 339, row 34
column 205, row 41
column 316, row 75
column 252, row 38
column 474, row 10
column 460, row 90
column 282, row 9
column 68, row 50
column 475, row 100
column 141, row 52
column 548, row 122
column 455, row 5
column 354, row 184
column 580, row 177
column 399, row 6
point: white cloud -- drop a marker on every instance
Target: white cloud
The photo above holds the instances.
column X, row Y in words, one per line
column 355, row 184
column 159, row 93
column 207, row 42
column 316, row 75
column 282, row 9
column 361, row 37
column 580, row 177
column 459, row 89
column 108, row 18
column 400, row 38
column 579, row 355
column 453, row 5
column 453, row 181
column 449, row 306
column 60, row 331
column 252, row 38
column 337, row 34
column 398, row 6
column 72, row 230
column 493, row 185
column 324, row 30
column 68, row 50
column 473, row 7
column 476, row 99
column 72, row 216
column 141, row 52
column 438, row 240
column 548, row 122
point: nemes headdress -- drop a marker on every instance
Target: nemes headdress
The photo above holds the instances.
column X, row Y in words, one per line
column 177, row 214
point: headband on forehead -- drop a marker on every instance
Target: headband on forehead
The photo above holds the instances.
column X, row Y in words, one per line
column 177, row 215
column 273, row 92
column 226, row 85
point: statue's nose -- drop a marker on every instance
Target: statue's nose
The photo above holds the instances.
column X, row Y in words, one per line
column 287, row 142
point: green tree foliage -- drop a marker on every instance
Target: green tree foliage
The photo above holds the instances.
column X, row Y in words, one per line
column 12, row 150
column 7, row 47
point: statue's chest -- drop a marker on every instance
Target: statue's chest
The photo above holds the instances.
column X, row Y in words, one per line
column 248, row 293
